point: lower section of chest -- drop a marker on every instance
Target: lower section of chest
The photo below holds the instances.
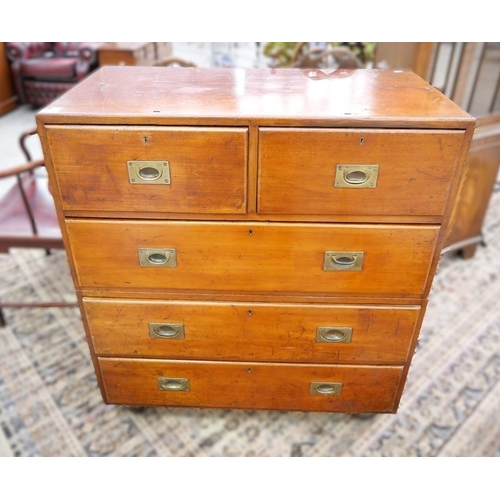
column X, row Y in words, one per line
column 300, row 387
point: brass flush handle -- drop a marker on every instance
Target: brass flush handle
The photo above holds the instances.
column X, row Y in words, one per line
column 343, row 261
column 149, row 172
column 356, row 176
column 157, row 257
column 334, row 334
column 173, row 384
column 166, row 331
column 325, row 388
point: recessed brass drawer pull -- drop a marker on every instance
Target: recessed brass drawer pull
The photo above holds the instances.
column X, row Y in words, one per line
column 148, row 172
column 334, row 334
column 356, row 176
column 157, row 257
column 343, row 261
column 173, row 384
column 166, row 331
column 325, row 388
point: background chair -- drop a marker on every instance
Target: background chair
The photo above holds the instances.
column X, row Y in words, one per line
column 27, row 213
column 42, row 71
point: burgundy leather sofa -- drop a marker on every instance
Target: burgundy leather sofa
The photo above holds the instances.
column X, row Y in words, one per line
column 43, row 71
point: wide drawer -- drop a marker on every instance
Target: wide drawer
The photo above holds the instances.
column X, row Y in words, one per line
column 251, row 331
column 346, row 389
column 150, row 169
column 252, row 257
column 321, row 171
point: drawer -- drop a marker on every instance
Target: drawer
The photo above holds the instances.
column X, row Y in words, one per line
column 272, row 258
column 251, row 331
column 174, row 169
column 407, row 172
column 145, row 382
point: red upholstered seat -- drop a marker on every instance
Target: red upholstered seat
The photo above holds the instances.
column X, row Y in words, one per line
column 50, row 68
column 28, row 217
column 42, row 71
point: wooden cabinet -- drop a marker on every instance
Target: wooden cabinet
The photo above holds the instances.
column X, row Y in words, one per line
column 481, row 171
column 261, row 239
column 133, row 53
column 8, row 97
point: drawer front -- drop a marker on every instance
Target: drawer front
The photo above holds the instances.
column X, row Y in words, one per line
column 250, row 385
column 299, row 171
column 252, row 331
column 252, row 258
column 172, row 169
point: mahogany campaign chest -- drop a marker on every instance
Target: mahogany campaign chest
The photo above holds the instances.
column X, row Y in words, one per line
column 253, row 238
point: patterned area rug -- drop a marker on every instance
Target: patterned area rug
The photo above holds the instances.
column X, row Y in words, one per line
column 50, row 404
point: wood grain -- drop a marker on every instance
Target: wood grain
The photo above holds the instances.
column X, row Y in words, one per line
column 251, row 385
column 297, row 170
column 273, row 97
column 248, row 257
column 251, row 331
column 207, row 168
column 481, row 170
column 250, row 213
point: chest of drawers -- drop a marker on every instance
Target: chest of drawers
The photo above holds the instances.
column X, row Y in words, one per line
column 253, row 239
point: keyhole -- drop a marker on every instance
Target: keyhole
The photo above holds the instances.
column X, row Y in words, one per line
column 361, row 141
column 250, row 233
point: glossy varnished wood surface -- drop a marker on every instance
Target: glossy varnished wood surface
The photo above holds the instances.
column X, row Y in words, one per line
column 8, row 97
column 250, row 219
column 207, row 165
column 160, row 95
column 251, row 385
column 297, row 170
column 251, row 331
column 253, row 258
column 483, row 161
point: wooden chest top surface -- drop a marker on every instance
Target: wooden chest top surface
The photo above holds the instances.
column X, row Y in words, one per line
column 159, row 95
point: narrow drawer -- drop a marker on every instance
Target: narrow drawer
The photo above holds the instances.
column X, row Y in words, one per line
column 251, row 331
column 150, row 169
column 250, row 385
column 252, row 257
column 321, row 171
